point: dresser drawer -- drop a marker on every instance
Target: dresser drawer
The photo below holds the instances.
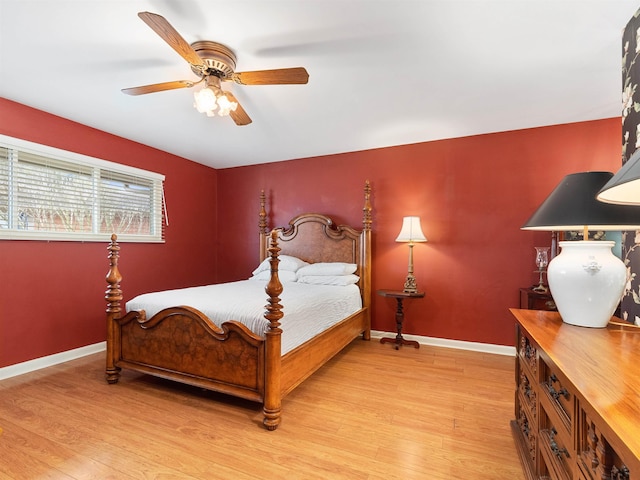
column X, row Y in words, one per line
column 542, row 303
column 528, row 354
column 533, row 300
column 555, row 448
column 528, row 397
column 527, row 432
column 557, row 391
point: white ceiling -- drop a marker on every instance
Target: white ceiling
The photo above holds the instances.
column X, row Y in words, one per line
column 382, row 72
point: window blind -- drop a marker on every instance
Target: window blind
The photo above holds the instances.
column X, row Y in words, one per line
column 53, row 194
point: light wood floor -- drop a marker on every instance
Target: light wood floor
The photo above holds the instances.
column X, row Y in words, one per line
column 371, row 413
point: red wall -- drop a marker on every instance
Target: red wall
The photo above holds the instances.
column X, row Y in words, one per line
column 472, row 195
column 51, row 294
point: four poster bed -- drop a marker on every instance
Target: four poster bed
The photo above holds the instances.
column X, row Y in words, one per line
column 252, row 358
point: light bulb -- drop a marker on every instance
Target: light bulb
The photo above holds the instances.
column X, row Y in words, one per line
column 205, row 100
column 225, row 105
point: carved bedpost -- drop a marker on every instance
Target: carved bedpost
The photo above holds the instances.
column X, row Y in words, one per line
column 365, row 256
column 273, row 340
column 113, row 296
column 262, row 227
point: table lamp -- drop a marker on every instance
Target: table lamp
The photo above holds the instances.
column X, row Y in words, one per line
column 586, row 279
column 624, row 187
column 411, row 232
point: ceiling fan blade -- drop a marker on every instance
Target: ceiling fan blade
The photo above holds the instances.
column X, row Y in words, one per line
column 282, row 76
column 238, row 115
column 163, row 28
column 158, row 87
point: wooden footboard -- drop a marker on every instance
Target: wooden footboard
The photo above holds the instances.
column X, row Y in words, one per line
column 183, row 344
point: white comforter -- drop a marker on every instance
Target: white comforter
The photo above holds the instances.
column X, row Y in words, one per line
column 308, row 309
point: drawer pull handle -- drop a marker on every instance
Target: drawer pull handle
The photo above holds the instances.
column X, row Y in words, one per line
column 621, row 474
column 557, row 393
column 529, row 351
column 557, row 451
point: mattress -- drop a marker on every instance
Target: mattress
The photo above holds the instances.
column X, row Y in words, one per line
column 308, row 309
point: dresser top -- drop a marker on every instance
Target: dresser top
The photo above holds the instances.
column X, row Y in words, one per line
column 603, row 364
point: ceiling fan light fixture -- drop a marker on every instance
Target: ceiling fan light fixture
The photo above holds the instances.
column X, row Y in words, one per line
column 211, row 98
column 205, row 100
column 226, row 106
column 213, row 62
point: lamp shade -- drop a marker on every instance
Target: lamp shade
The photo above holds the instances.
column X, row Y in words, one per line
column 624, row 187
column 585, row 279
column 573, row 206
column 411, row 231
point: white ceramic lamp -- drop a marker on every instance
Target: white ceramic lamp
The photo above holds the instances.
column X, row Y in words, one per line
column 586, row 280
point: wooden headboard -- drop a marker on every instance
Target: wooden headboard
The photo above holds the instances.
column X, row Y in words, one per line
column 314, row 237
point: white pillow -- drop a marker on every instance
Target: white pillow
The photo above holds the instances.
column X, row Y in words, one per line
column 287, row 262
column 284, row 276
column 331, row 268
column 339, row 280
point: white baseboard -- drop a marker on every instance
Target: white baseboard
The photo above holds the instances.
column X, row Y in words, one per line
column 459, row 344
column 50, row 360
column 43, row 362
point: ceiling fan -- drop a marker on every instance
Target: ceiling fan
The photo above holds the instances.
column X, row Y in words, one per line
column 214, row 63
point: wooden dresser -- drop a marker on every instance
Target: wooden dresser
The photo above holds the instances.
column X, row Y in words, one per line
column 577, row 399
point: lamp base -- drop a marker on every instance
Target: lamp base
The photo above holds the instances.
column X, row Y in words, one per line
column 587, row 281
column 540, row 288
column 410, row 285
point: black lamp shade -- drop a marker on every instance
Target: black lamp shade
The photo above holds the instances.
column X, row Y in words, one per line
column 624, row 187
column 573, row 206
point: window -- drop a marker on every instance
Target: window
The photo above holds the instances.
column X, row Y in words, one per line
column 50, row 194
